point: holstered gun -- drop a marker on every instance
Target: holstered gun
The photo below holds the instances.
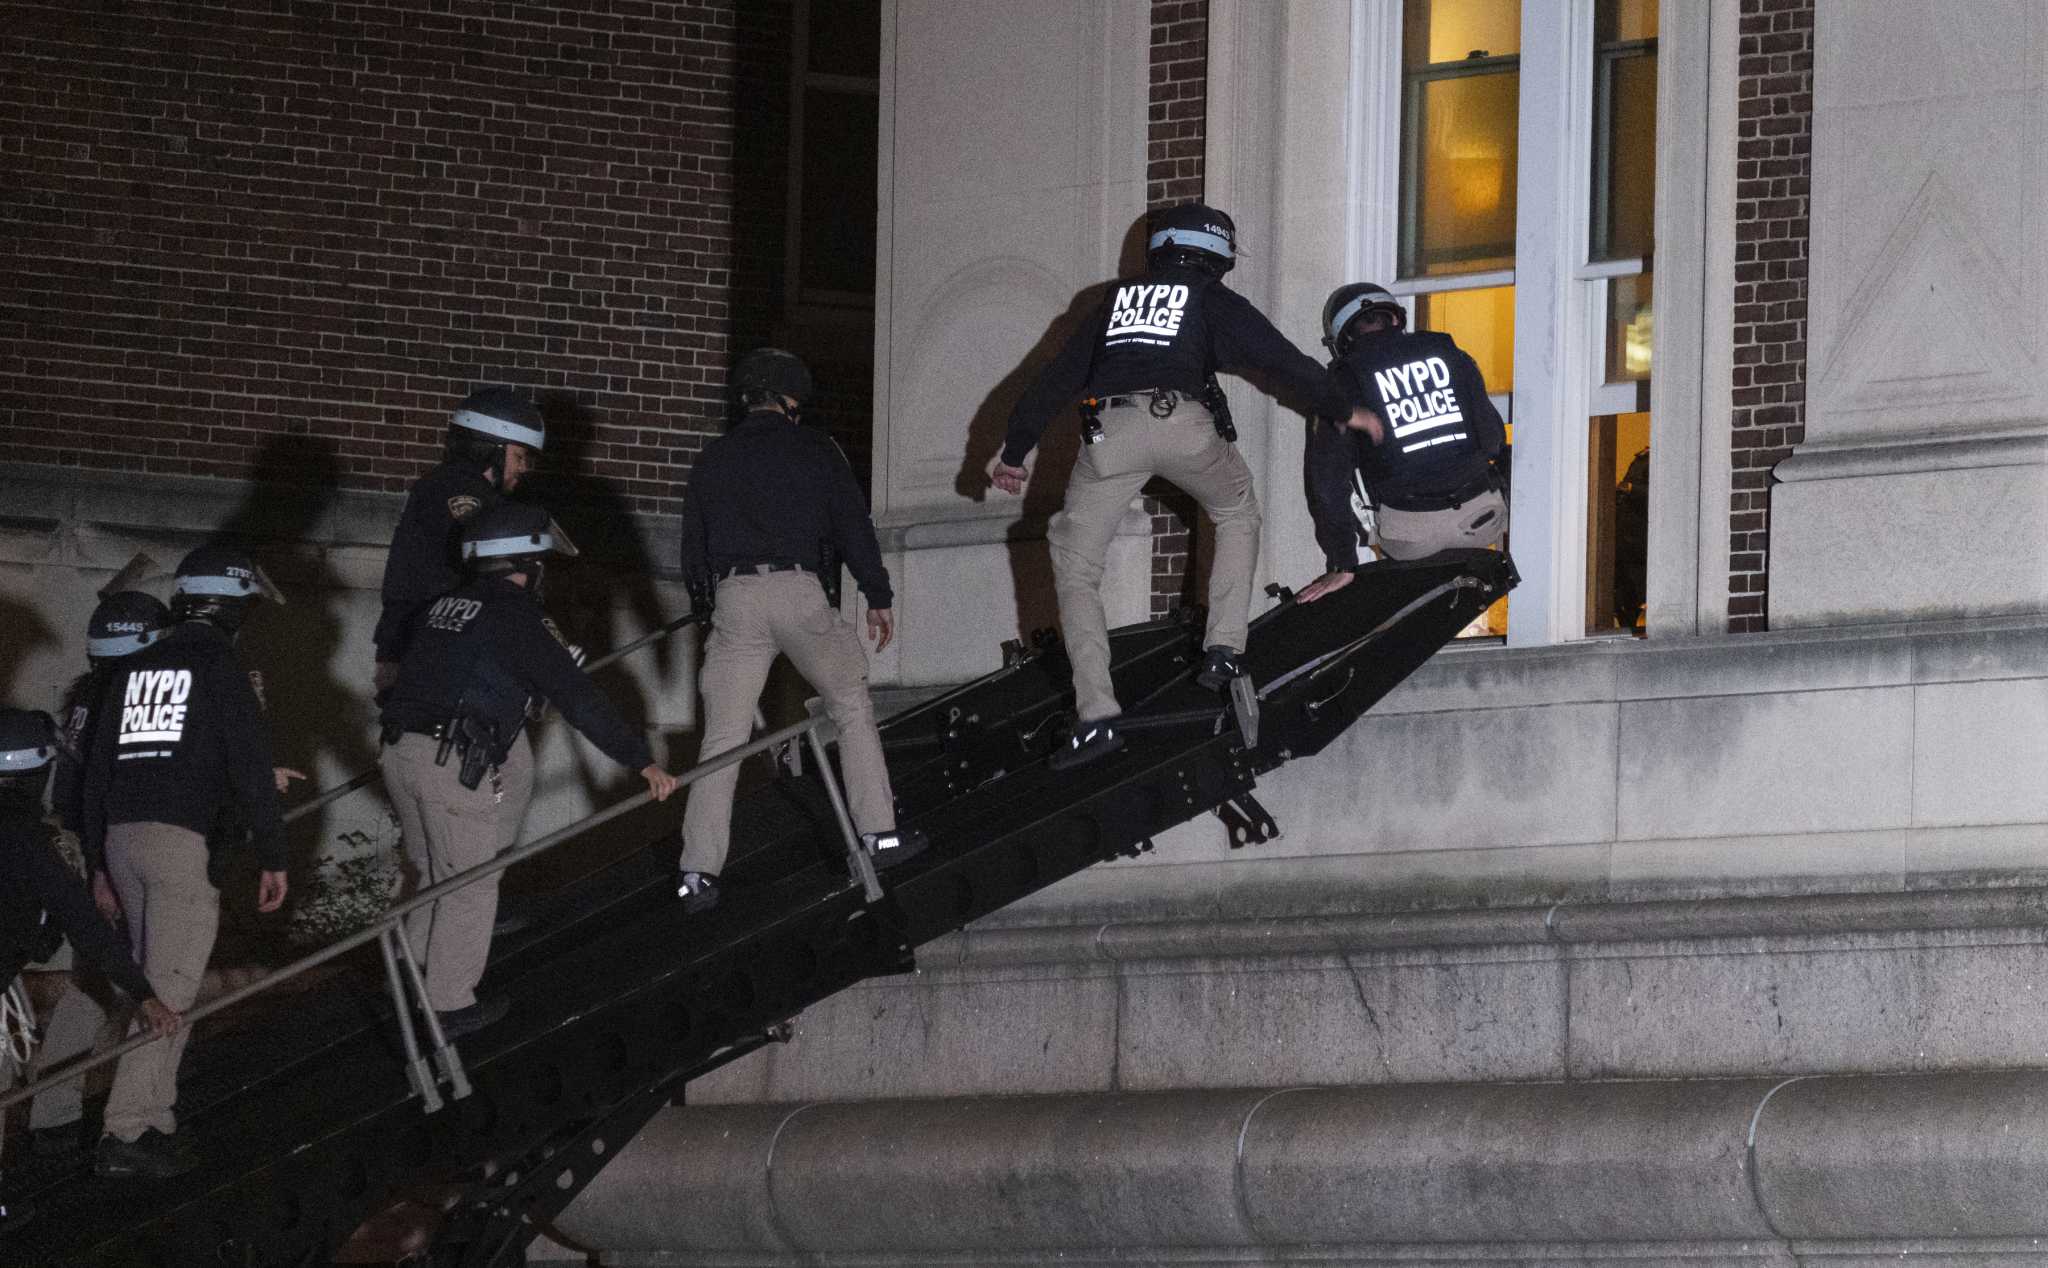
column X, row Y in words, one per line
column 1091, row 419
column 478, row 742
column 1219, row 408
column 828, row 571
column 702, row 593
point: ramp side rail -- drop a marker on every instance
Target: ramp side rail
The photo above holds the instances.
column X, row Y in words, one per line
column 389, row 928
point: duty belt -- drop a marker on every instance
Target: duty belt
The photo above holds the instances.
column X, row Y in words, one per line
column 748, row 570
column 1441, row 501
column 392, row 732
column 1161, row 401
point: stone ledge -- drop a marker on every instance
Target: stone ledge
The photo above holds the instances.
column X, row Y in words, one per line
column 1557, row 924
column 1948, row 1167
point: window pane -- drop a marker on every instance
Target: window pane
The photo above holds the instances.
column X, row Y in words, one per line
column 1482, row 322
column 846, row 37
column 1625, row 158
column 1618, row 521
column 837, row 231
column 1440, row 31
column 1463, row 202
column 1629, row 329
column 1616, row 21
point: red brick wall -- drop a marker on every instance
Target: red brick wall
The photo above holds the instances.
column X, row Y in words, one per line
column 1774, row 150
column 233, row 227
column 1175, row 136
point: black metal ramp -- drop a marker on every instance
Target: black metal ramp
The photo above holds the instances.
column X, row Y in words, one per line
column 304, row 1114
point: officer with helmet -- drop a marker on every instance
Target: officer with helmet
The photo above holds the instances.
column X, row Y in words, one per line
column 1427, row 457
column 1144, row 367
column 491, row 441
column 180, row 738
column 41, row 898
column 455, row 759
column 123, row 623
column 771, row 506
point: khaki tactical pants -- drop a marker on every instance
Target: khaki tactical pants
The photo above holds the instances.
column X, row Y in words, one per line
column 450, row 829
column 1135, row 446
column 1477, row 525
column 756, row 616
column 159, row 873
column 91, row 1016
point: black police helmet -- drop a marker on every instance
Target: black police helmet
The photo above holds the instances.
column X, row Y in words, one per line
column 512, row 537
column 1192, row 233
column 126, row 621
column 218, row 583
column 1350, row 302
column 28, row 745
column 501, row 415
column 774, row 370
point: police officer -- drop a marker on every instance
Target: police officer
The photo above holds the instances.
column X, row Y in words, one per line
column 771, row 506
column 455, row 758
column 1145, row 367
column 1424, row 453
column 180, row 738
column 491, row 441
column 123, row 623
column 41, row 898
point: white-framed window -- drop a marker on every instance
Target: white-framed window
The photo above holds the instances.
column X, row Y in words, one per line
column 1522, row 136
column 835, row 103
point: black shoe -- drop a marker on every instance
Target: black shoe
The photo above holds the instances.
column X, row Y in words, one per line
column 13, row 1215
column 699, row 892
column 457, row 1022
column 57, row 1144
column 1090, row 740
column 1219, row 668
column 152, row 1155
column 898, row 845
column 509, row 923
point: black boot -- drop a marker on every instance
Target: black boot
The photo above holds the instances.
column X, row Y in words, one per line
column 897, row 845
column 152, row 1155
column 1219, row 668
column 57, row 1144
column 457, row 1022
column 1090, row 741
column 699, row 892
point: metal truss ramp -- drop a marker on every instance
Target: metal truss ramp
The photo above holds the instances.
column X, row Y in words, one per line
column 303, row 1110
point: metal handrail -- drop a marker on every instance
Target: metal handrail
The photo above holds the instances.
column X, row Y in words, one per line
column 373, row 774
column 396, row 916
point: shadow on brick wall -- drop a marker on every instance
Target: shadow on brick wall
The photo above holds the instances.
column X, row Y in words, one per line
column 28, row 635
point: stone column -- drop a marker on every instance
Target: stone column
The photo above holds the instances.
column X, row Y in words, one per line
column 1921, row 487
column 1012, row 177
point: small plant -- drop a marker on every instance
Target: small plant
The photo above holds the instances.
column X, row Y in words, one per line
column 347, row 889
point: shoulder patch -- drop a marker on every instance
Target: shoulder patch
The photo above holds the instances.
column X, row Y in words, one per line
column 463, row 505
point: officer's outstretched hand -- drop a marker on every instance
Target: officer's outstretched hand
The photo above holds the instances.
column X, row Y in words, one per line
column 1009, row 479
column 159, row 1019
column 1363, row 419
column 270, row 890
column 659, row 782
column 1328, row 583
column 881, row 627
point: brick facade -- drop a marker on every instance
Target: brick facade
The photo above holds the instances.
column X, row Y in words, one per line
column 236, row 231
column 1176, row 134
column 1774, row 150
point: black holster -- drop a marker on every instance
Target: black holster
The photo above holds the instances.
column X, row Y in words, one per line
column 1219, row 408
column 1091, row 420
column 701, row 598
column 828, row 571
column 477, row 741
